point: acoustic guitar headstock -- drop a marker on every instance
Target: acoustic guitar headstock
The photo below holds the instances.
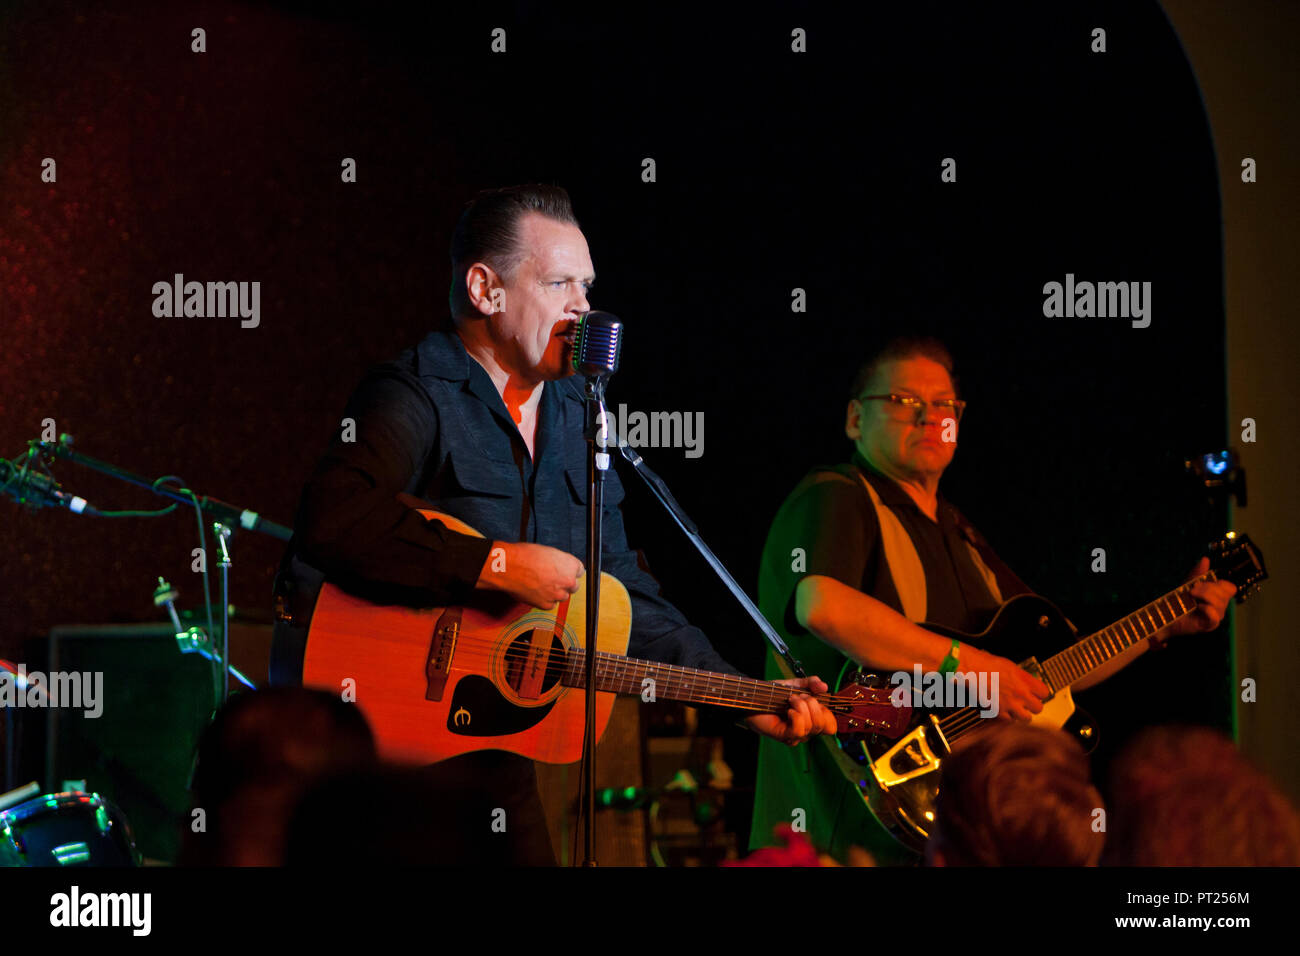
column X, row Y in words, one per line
column 867, row 708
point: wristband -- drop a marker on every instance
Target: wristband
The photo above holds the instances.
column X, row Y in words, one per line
column 949, row 663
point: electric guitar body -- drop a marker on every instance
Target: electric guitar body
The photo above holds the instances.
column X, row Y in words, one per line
column 902, row 779
column 904, row 782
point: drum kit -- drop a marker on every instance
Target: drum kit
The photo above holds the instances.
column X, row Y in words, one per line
column 71, row 828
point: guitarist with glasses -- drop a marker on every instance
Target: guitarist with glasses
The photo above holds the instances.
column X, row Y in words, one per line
column 878, row 549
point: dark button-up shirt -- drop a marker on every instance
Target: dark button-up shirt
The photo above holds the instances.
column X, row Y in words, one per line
column 431, row 424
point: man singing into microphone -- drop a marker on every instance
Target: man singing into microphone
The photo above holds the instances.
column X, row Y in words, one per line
column 480, row 421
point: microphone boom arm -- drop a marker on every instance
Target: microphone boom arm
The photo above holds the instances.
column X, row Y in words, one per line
column 665, row 498
column 221, row 510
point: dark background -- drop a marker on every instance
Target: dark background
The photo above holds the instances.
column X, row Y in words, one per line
column 775, row 170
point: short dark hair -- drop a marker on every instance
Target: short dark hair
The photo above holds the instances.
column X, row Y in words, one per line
column 488, row 231
column 902, row 347
column 1017, row 795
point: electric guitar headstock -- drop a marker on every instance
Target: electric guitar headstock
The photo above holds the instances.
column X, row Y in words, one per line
column 1235, row 558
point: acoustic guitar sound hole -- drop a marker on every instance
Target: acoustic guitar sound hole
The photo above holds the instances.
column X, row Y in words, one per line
column 520, row 661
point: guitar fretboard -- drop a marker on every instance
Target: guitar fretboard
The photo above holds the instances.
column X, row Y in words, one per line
column 1078, row 660
column 627, row 675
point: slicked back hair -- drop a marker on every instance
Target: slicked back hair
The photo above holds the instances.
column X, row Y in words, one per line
column 488, row 231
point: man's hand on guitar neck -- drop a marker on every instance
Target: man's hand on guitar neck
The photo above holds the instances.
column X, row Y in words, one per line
column 533, row 573
column 805, row 718
column 1212, row 599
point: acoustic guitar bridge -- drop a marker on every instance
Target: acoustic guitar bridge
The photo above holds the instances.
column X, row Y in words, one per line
column 438, row 665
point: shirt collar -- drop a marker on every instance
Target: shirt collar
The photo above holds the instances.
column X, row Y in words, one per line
column 889, row 490
column 442, row 355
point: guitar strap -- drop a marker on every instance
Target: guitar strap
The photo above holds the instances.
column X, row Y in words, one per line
column 985, row 571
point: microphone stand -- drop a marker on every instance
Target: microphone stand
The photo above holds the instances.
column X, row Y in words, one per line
column 223, row 539
column 596, row 431
column 221, row 510
column 228, row 517
column 192, row 640
column 665, row 498
column 599, row 343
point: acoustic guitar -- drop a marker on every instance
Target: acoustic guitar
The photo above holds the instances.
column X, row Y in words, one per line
column 438, row 682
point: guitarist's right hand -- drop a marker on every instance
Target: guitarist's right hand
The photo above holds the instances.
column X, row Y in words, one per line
column 1020, row 693
column 534, row 573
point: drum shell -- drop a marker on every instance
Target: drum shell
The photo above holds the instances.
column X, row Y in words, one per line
column 66, row 829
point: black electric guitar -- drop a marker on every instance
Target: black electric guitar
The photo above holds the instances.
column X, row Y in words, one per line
column 901, row 784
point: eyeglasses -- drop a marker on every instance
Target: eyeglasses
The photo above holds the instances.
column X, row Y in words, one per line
column 909, row 408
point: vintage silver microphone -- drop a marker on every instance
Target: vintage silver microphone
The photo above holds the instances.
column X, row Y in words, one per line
column 600, row 339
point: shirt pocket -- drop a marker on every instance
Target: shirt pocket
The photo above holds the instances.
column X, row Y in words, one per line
column 483, row 493
column 576, row 479
column 612, row 520
column 470, row 475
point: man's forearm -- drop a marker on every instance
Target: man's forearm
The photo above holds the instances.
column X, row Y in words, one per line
column 392, row 545
column 865, row 629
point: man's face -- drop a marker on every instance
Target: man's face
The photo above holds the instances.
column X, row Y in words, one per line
column 905, row 448
column 534, row 331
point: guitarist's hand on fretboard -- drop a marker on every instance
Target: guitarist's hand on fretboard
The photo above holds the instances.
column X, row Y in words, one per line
column 1212, row 599
column 805, row 718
